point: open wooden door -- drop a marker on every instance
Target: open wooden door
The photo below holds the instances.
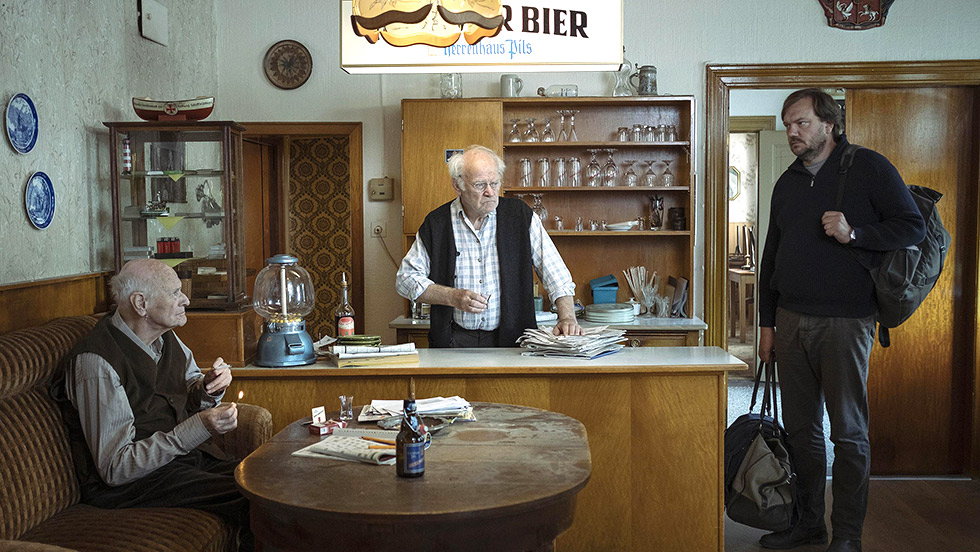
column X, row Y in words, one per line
column 920, row 388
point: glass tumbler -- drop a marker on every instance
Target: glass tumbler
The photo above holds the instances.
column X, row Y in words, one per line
column 544, row 172
column 526, row 177
column 558, row 172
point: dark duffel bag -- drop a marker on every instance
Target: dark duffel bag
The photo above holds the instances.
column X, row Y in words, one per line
column 760, row 484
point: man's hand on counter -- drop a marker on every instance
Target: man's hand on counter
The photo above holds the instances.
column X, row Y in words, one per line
column 567, row 324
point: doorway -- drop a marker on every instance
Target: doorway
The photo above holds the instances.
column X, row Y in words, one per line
column 304, row 195
column 945, row 94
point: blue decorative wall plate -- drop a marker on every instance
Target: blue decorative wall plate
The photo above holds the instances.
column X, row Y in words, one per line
column 21, row 123
column 39, row 200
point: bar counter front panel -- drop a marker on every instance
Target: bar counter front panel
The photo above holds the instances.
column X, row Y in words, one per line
column 655, row 419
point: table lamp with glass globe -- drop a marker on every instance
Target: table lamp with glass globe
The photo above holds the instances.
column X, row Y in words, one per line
column 283, row 296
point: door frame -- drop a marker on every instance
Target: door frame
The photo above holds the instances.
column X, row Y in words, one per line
column 900, row 74
column 287, row 131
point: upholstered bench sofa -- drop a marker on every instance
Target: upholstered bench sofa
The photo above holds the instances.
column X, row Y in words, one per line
column 39, row 494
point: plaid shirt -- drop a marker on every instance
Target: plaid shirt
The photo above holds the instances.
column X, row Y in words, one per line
column 478, row 267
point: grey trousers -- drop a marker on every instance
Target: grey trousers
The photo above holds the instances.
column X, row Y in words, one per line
column 825, row 359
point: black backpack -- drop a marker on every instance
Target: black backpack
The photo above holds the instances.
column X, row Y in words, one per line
column 904, row 277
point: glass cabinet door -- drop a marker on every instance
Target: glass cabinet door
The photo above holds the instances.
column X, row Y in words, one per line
column 177, row 198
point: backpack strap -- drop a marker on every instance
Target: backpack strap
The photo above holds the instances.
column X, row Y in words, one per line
column 846, row 159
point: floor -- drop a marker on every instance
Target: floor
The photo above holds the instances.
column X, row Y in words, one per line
column 907, row 515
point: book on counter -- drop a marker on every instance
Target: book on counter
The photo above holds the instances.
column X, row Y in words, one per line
column 346, row 447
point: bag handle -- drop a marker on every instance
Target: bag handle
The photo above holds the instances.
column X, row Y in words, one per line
column 768, row 406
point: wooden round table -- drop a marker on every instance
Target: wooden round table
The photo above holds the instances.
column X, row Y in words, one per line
column 506, row 482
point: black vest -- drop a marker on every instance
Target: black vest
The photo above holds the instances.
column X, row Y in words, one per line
column 516, row 269
column 157, row 392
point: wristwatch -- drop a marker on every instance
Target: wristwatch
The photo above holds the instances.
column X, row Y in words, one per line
column 852, row 236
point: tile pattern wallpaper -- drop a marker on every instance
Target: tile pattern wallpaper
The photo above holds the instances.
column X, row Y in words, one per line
column 80, row 74
column 320, row 220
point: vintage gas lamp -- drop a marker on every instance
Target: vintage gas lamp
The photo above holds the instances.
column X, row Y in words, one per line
column 283, row 296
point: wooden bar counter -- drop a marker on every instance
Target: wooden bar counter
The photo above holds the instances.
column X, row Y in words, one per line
column 655, row 418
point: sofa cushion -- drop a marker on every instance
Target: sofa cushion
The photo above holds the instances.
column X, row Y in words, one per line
column 89, row 529
column 37, row 477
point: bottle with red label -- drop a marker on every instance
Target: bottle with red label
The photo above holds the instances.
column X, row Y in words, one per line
column 345, row 313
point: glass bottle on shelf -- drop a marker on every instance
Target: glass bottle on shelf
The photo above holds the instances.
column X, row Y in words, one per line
column 344, row 315
column 656, row 212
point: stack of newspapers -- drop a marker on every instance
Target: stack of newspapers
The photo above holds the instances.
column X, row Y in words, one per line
column 593, row 343
column 361, row 355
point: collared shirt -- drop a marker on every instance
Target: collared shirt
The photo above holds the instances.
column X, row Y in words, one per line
column 478, row 266
column 94, row 389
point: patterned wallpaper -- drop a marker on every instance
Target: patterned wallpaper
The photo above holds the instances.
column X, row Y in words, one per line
column 319, row 221
column 81, row 62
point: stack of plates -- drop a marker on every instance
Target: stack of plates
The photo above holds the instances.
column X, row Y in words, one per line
column 609, row 313
column 362, row 340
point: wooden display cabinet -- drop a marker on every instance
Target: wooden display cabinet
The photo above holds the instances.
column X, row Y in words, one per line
column 432, row 128
column 179, row 199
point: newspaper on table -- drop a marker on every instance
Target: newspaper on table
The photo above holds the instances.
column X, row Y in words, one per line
column 451, row 407
column 348, row 448
column 593, row 343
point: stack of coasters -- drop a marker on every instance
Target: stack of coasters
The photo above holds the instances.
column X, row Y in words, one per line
column 361, row 340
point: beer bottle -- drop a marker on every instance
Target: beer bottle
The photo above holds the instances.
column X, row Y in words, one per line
column 344, row 321
column 410, row 443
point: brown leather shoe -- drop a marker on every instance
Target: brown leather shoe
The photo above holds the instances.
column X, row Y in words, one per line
column 844, row 545
column 796, row 536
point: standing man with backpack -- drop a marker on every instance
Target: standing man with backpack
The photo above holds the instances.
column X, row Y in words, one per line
column 817, row 309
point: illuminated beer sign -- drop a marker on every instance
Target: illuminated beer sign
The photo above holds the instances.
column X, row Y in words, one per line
column 419, row 36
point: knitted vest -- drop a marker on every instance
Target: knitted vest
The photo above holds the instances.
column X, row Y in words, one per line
column 157, row 393
column 516, row 269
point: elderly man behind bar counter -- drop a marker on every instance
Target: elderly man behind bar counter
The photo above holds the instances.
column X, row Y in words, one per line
column 472, row 261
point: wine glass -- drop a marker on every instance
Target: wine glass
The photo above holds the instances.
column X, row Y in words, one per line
column 668, row 177
column 593, row 172
column 610, row 172
column 531, row 134
column 647, row 298
column 572, row 137
column 563, row 134
column 649, row 177
column 629, row 177
column 539, row 207
column 515, row 133
column 547, row 135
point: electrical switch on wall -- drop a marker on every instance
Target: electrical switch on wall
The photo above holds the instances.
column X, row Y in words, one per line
column 381, row 189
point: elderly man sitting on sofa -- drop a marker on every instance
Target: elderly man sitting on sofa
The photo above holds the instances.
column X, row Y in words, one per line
column 140, row 412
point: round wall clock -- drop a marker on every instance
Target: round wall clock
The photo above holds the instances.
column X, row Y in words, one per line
column 288, row 64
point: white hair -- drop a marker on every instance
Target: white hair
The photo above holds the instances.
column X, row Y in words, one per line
column 455, row 163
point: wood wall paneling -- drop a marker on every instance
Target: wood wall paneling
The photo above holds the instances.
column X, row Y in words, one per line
column 921, row 131
column 26, row 304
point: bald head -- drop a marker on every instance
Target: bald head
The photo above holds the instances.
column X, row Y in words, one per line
column 148, row 297
column 145, row 276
